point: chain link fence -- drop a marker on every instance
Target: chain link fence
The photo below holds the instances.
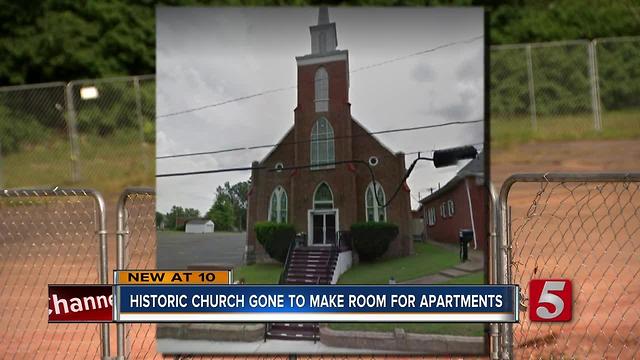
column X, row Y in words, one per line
column 136, row 249
column 34, row 141
column 98, row 133
column 582, row 227
column 618, row 76
column 48, row 237
column 565, row 90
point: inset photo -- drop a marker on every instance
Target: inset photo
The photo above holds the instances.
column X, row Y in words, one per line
column 321, row 146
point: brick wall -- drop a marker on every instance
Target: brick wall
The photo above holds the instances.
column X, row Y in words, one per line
column 446, row 229
column 348, row 185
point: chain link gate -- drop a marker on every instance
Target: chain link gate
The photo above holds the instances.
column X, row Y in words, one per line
column 136, row 249
column 581, row 227
column 48, row 237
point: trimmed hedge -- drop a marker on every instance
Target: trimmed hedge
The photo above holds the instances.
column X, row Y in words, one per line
column 371, row 239
column 275, row 238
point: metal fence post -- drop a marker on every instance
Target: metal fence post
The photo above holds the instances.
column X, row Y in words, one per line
column 1, row 178
column 532, row 94
column 136, row 88
column 504, row 260
column 104, row 264
column 122, row 260
column 493, row 268
column 595, row 84
column 72, row 128
column 120, row 232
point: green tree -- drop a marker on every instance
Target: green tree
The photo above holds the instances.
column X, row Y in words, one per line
column 179, row 214
column 231, row 202
column 66, row 39
column 519, row 21
column 239, row 192
column 159, row 219
column 222, row 212
column 57, row 40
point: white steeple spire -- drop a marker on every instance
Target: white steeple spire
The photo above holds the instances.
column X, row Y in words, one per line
column 323, row 15
column 323, row 35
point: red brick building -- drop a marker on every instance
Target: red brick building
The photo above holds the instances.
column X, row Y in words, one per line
column 327, row 198
column 460, row 204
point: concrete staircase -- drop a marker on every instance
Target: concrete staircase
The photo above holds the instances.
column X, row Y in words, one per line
column 308, row 265
column 311, row 265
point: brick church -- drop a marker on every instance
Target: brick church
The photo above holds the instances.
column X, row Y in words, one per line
column 325, row 198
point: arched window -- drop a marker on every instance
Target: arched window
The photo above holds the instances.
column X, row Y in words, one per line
column 375, row 210
column 322, row 145
column 323, row 197
column 278, row 205
column 322, row 90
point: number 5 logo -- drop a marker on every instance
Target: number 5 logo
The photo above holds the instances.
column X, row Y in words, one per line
column 550, row 300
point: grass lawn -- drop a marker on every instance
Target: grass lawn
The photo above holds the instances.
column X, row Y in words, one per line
column 507, row 131
column 258, row 273
column 107, row 164
column 428, row 259
column 472, row 279
column 425, row 328
column 462, row 329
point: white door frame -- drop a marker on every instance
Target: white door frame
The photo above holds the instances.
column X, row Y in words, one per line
column 310, row 214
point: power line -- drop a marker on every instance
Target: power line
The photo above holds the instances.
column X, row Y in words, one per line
column 388, row 131
column 271, row 91
column 380, row 203
column 225, row 102
column 466, row 41
column 213, row 171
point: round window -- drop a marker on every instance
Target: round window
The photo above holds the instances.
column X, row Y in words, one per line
column 279, row 166
column 373, row 161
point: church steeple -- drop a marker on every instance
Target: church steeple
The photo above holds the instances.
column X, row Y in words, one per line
column 323, row 36
column 323, row 75
column 323, row 15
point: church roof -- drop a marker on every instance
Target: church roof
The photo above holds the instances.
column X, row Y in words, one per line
column 475, row 167
column 273, row 148
column 199, row 221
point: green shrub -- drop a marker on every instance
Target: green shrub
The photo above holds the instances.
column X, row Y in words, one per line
column 149, row 130
column 18, row 129
column 371, row 239
column 275, row 238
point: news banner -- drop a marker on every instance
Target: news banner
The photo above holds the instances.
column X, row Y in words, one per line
column 211, row 296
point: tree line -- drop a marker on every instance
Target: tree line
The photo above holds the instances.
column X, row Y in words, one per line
column 228, row 211
column 63, row 40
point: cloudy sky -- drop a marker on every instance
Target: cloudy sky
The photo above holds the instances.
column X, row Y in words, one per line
column 211, row 55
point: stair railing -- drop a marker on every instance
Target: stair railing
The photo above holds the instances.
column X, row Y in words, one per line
column 332, row 256
column 344, row 240
column 292, row 245
column 267, row 328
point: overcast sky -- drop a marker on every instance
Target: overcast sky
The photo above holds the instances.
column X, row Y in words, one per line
column 210, row 55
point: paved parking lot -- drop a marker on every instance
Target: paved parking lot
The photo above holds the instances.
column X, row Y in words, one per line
column 177, row 250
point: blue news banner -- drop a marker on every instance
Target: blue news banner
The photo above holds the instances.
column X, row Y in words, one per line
column 316, row 303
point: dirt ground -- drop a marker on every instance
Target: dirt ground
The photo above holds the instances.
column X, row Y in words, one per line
column 578, row 156
column 584, row 232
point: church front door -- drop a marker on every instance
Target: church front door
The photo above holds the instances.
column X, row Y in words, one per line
column 323, row 225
